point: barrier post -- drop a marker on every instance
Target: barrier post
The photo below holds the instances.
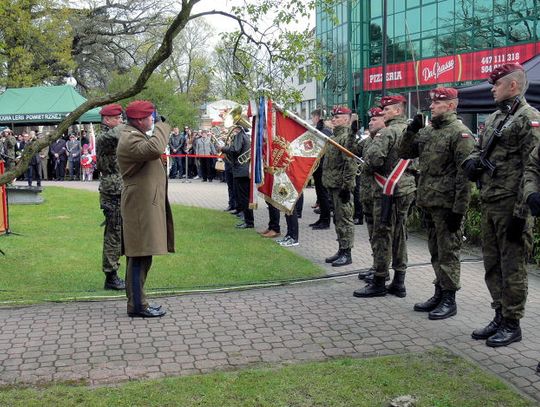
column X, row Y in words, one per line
column 4, row 227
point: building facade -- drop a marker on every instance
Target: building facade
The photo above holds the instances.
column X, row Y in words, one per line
column 429, row 43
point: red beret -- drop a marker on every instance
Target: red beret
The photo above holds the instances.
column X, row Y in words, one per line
column 375, row 112
column 111, row 110
column 392, row 100
column 139, row 109
column 443, row 94
column 503, row 70
column 341, row 110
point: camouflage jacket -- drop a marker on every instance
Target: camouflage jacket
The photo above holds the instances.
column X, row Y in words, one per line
column 9, row 147
column 339, row 170
column 441, row 149
column 510, row 156
column 382, row 155
column 106, row 161
column 367, row 183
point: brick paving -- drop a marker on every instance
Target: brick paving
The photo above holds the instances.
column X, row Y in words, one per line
column 97, row 342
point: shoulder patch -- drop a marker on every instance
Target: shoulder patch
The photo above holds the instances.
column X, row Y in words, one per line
column 378, row 134
column 465, row 135
column 535, row 123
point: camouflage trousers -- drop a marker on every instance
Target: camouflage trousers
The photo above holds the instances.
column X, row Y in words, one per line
column 367, row 206
column 444, row 247
column 389, row 242
column 343, row 219
column 112, row 236
column 504, row 261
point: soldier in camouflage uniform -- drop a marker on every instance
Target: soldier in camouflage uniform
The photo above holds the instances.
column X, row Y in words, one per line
column 506, row 222
column 8, row 142
column 443, row 193
column 339, row 173
column 367, row 184
column 390, row 210
column 110, row 190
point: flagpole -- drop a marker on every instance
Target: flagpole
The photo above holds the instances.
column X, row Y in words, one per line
column 316, row 131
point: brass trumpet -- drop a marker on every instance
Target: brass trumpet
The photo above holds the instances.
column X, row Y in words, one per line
column 232, row 120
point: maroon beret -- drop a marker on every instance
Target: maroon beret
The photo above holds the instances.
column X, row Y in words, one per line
column 375, row 112
column 504, row 70
column 111, row 110
column 392, row 100
column 443, row 94
column 139, row 109
column 341, row 110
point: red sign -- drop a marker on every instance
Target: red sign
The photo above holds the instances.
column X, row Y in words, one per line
column 447, row 69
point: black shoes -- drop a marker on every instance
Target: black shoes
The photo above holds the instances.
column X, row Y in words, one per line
column 447, row 307
column 431, row 303
column 148, row 313
column 113, row 282
column 343, row 259
column 397, row 286
column 373, row 289
column 362, row 275
column 490, row 329
column 321, row 226
column 509, row 332
column 333, row 258
column 244, row 226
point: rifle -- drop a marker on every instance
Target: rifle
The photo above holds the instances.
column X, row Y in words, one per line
column 485, row 163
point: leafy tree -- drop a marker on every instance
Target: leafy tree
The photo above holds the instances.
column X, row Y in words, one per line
column 35, row 41
column 280, row 46
column 176, row 107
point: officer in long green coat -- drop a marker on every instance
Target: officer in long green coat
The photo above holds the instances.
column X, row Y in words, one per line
column 443, row 192
column 110, row 191
column 339, row 178
column 506, row 221
column 390, row 210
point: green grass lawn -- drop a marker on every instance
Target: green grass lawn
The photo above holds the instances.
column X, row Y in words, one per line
column 57, row 255
column 435, row 379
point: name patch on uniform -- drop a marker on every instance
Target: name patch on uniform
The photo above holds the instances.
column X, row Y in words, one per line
column 535, row 123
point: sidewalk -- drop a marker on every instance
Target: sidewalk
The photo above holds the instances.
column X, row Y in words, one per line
column 98, row 343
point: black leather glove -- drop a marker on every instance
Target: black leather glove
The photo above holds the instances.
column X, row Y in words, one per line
column 416, row 124
column 345, row 195
column 515, row 229
column 472, row 169
column 453, row 221
column 534, row 203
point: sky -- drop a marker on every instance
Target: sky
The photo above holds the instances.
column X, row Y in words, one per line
column 224, row 24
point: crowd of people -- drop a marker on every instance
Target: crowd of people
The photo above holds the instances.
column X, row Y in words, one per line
column 68, row 158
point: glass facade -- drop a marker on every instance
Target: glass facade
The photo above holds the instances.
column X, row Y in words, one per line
column 454, row 42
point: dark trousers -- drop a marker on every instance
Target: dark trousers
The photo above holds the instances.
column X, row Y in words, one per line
column 59, row 169
column 322, row 195
column 74, row 169
column 230, row 186
column 136, row 272
column 177, row 167
column 292, row 219
column 33, row 172
column 206, row 169
column 242, row 199
column 273, row 216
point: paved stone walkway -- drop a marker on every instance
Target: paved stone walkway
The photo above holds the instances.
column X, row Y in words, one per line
column 97, row 342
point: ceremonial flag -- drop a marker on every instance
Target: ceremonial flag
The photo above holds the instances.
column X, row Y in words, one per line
column 291, row 155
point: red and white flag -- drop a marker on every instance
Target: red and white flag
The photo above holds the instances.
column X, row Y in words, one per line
column 291, row 155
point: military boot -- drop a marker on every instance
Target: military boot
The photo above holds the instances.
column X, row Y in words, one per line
column 431, row 303
column 344, row 259
column 397, row 286
column 508, row 332
column 447, row 307
column 490, row 329
column 333, row 258
column 362, row 275
column 373, row 289
column 113, row 282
